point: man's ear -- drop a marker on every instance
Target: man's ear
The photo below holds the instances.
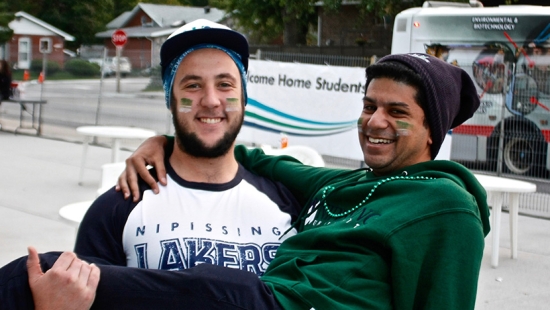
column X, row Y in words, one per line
column 430, row 140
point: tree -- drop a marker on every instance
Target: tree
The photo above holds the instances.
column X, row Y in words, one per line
column 5, row 18
column 28, row 6
column 80, row 18
column 194, row 2
column 269, row 19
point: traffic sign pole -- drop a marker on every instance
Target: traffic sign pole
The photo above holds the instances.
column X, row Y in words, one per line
column 118, row 50
column 118, row 38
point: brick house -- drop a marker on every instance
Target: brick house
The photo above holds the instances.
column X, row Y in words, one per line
column 147, row 26
column 32, row 39
column 348, row 28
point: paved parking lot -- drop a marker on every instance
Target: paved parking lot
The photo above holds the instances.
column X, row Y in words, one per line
column 40, row 175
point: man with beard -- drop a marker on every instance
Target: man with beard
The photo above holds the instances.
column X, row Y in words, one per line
column 211, row 210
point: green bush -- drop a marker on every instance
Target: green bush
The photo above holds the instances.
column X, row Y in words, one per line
column 81, row 67
column 51, row 66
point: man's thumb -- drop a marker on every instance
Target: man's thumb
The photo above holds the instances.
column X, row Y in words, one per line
column 33, row 264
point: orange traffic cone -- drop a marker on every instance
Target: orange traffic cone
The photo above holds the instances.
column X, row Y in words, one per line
column 26, row 75
column 41, row 77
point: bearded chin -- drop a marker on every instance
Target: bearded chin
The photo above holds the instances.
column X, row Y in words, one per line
column 189, row 143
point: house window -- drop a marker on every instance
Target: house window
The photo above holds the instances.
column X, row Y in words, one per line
column 45, row 45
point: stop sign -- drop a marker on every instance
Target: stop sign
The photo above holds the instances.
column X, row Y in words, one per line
column 119, row 38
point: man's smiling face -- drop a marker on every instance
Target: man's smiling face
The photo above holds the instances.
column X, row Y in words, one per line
column 392, row 130
column 207, row 105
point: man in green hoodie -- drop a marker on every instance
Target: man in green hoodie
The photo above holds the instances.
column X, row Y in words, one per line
column 406, row 233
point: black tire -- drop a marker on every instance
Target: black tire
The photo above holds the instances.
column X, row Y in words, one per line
column 524, row 149
column 524, row 153
column 522, row 156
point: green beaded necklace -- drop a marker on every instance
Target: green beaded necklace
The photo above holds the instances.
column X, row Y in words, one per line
column 329, row 189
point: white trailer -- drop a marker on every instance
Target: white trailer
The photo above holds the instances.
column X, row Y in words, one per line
column 506, row 50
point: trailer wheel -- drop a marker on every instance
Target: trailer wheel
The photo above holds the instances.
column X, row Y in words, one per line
column 524, row 157
column 518, row 156
column 524, row 151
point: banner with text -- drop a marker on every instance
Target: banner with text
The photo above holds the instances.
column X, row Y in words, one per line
column 313, row 105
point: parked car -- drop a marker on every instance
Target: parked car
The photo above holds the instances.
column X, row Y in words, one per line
column 109, row 68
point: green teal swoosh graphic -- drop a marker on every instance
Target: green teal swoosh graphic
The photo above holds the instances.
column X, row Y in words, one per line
column 290, row 124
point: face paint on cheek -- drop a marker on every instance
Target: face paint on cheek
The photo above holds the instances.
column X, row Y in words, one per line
column 359, row 123
column 403, row 128
column 233, row 105
column 185, row 105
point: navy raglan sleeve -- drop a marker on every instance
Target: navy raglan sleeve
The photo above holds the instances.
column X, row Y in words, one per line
column 100, row 232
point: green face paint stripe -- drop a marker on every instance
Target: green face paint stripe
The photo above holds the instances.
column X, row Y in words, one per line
column 403, row 128
column 233, row 104
column 186, row 102
column 360, row 124
column 403, row 125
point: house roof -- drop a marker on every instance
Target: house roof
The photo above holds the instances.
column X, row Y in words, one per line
column 166, row 15
column 139, row 32
column 45, row 25
column 166, row 19
column 119, row 21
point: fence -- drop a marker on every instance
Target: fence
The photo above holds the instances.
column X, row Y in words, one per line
column 347, row 51
column 329, row 60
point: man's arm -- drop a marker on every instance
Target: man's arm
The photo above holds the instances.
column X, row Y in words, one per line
column 302, row 180
column 284, row 169
column 436, row 261
column 70, row 284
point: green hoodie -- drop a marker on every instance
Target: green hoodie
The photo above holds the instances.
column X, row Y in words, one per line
column 412, row 242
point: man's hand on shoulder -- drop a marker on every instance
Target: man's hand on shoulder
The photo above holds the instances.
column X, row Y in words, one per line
column 70, row 284
column 150, row 152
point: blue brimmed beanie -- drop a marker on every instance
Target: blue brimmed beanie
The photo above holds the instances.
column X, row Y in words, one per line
column 199, row 34
column 451, row 96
